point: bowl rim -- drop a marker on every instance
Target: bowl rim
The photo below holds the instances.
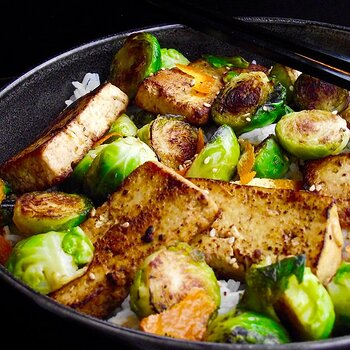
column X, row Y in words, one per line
column 107, row 327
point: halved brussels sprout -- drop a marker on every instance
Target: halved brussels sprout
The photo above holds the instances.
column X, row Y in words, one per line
column 39, row 212
column 286, row 76
column 339, row 290
column 246, row 328
column 138, row 57
column 312, row 134
column 47, row 261
column 76, row 180
column 290, row 293
column 219, row 157
column 113, row 164
column 172, row 139
column 249, row 101
column 313, row 93
column 167, row 276
column 123, row 126
column 171, row 57
column 270, row 160
column 226, row 61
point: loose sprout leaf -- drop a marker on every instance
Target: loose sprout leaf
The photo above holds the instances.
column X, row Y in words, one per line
column 171, row 57
column 225, row 61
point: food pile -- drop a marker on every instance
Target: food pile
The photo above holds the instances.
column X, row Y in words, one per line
column 175, row 175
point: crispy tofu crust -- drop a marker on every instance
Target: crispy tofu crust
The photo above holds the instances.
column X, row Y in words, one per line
column 331, row 176
column 259, row 223
column 153, row 208
column 50, row 159
column 171, row 91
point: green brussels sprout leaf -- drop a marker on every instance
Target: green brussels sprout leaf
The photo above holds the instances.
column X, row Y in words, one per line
column 171, row 57
column 226, row 61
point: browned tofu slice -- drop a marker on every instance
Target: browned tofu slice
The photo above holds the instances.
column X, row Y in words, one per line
column 153, row 208
column 50, row 159
column 171, row 91
column 331, row 176
column 259, row 223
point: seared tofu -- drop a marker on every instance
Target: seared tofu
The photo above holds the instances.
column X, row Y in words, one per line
column 51, row 158
column 153, row 208
column 172, row 91
column 331, row 176
column 257, row 223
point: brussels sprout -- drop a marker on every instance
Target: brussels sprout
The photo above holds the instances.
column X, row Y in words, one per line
column 219, row 157
column 249, row 101
column 7, row 199
column 171, row 57
column 313, row 93
column 173, row 140
column 166, row 277
column 225, row 61
column 270, row 160
column 339, row 290
column 286, row 76
column 138, row 57
column 289, row 292
column 122, row 126
column 113, row 164
column 312, row 134
column 39, row 212
column 142, row 117
column 47, row 261
column 76, row 180
column 246, row 328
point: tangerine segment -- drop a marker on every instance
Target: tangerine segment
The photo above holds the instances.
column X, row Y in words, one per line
column 187, row 319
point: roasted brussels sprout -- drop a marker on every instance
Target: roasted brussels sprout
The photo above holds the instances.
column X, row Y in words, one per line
column 226, row 61
column 171, row 57
column 339, row 290
column 47, row 261
column 249, row 101
column 287, row 77
column 154, row 289
column 290, row 293
column 7, row 200
column 39, row 212
column 312, row 134
column 173, row 140
column 76, row 180
column 113, row 164
column 219, row 157
column 246, row 328
column 270, row 160
column 312, row 93
column 142, row 117
column 122, row 126
column 138, row 57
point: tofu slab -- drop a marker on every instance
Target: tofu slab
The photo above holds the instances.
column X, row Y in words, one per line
column 171, row 91
column 50, row 159
column 331, row 176
column 257, row 223
column 153, row 208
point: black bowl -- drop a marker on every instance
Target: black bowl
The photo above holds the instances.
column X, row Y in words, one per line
column 28, row 104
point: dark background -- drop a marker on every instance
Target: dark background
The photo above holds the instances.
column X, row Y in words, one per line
column 31, row 34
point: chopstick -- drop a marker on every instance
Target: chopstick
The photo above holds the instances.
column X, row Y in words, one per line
column 321, row 63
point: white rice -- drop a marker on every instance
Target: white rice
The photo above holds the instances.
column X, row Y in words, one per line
column 257, row 135
column 230, row 294
column 90, row 82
